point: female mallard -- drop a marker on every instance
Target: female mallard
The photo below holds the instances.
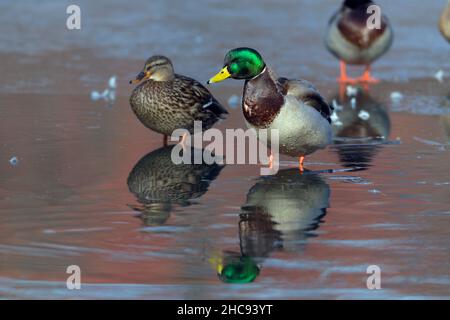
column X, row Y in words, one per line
column 165, row 101
column 351, row 41
column 293, row 107
column 444, row 22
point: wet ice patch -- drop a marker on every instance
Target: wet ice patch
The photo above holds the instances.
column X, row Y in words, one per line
column 353, row 103
column 164, row 229
column 439, row 145
column 439, row 76
column 75, row 230
column 359, row 243
column 350, row 179
column 14, row 161
column 351, row 91
column 198, row 39
column 233, row 101
column 422, row 104
column 335, row 119
column 364, row 115
column 112, row 82
column 108, row 94
column 442, row 183
column 396, row 97
column 336, row 105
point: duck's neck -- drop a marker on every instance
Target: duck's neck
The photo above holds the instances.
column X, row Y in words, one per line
column 262, row 99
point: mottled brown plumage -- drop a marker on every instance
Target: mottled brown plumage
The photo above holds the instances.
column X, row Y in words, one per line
column 156, row 179
column 166, row 101
column 159, row 184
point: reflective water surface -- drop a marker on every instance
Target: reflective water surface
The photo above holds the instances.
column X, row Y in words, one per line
column 92, row 187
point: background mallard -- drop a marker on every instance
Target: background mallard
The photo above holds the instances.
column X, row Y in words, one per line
column 444, row 22
column 350, row 40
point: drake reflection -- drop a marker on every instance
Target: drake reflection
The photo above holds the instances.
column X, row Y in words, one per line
column 360, row 125
column 158, row 184
column 281, row 213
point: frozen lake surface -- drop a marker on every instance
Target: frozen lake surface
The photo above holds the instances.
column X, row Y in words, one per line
column 77, row 191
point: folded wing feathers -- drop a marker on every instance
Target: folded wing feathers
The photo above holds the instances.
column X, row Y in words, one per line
column 305, row 92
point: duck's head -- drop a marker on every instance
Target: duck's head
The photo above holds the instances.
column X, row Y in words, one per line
column 234, row 268
column 240, row 63
column 239, row 270
column 353, row 4
column 157, row 68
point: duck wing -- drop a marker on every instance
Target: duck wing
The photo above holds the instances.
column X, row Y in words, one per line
column 306, row 93
column 195, row 96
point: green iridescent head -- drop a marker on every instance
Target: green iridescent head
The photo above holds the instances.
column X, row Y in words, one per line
column 240, row 63
column 239, row 270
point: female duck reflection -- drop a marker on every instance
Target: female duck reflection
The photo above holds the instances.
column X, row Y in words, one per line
column 158, row 183
column 360, row 124
column 280, row 213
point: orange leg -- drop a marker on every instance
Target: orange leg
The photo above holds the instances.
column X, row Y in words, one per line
column 271, row 161
column 342, row 92
column 366, row 77
column 183, row 141
column 301, row 160
column 164, row 140
column 344, row 78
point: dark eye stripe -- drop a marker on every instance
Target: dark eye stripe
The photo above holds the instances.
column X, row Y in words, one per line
column 158, row 64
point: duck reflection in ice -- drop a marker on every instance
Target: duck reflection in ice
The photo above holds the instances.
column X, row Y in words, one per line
column 158, row 184
column 281, row 213
column 360, row 125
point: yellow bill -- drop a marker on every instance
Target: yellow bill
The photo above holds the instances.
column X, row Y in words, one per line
column 217, row 263
column 141, row 77
column 222, row 75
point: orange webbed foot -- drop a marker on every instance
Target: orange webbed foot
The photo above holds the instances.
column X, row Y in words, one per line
column 367, row 78
column 301, row 160
column 344, row 79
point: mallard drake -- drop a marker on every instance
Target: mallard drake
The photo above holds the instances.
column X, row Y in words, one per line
column 165, row 101
column 350, row 40
column 444, row 22
column 293, row 107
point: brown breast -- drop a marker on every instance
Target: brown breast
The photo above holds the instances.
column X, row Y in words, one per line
column 353, row 26
column 262, row 99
